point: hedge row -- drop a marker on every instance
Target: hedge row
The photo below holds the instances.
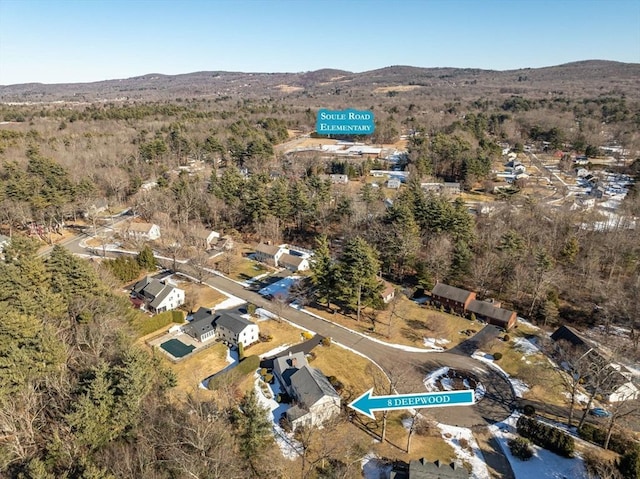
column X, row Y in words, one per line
column 597, row 435
column 147, row 325
column 545, row 436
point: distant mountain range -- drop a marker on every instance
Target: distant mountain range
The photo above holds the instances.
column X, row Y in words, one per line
column 584, row 77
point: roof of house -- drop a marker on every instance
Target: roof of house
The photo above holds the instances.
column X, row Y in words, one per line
column 388, row 289
column 287, row 365
column 160, row 297
column 203, row 321
column 569, row 334
column 141, row 227
column 290, row 260
column 488, row 310
column 152, row 289
column 267, row 249
column 310, row 385
column 451, row 292
column 233, row 322
column 423, row 469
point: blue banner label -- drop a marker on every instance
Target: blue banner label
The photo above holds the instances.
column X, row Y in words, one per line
column 344, row 122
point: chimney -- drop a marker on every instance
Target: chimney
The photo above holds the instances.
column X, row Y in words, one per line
column 294, row 362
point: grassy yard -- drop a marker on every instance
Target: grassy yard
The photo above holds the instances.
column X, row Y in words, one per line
column 410, row 324
column 191, row 371
column 244, row 268
column 533, row 369
column 200, row 295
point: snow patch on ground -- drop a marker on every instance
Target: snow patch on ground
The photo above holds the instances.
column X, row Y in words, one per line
column 459, row 436
column 229, row 303
column 275, row 351
column 435, row 344
column 519, row 387
column 279, row 288
column 527, row 346
column 432, row 378
column 232, row 356
column 544, row 464
column 288, row 445
column 263, row 314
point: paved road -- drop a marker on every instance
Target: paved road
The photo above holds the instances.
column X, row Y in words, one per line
column 498, row 400
column 496, row 404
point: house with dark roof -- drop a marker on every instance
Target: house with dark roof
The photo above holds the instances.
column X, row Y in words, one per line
column 451, row 297
column 316, row 400
column 234, row 329
column 488, row 312
column 157, row 295
column 202, row 325
column 423, row 469
column 619, row 384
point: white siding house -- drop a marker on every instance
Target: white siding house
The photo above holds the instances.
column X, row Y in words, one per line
column 234, row 330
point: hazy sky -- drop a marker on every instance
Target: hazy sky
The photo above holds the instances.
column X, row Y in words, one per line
column 55, row 41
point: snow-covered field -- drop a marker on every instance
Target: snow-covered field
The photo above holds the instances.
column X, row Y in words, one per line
column 279, row 288
column 466, row 449
column 544, row 464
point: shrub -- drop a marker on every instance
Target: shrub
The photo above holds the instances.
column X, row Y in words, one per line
column 248, row 364
column 251, row 309
column 629, row 464
column 473, row 317
column 545, row 436
column 617, row 443
column 268, row 378
column 529, row 410
column 521, row 448
column 326, row 342
column 311, row 356
column 263, row 372
column 497, row 356
column 285, row 424
column 307, row 335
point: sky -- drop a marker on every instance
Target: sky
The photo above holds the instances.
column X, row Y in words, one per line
column 62, row 41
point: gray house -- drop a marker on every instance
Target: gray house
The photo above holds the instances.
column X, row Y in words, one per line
column 234, row 329
column 316, row 399
column 202, row 326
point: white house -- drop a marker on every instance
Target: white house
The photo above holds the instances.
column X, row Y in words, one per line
column 316, row 399
column 158, row 296
column 141, row 231
column 394, row 183
column 205, row 238
column 234, row 330
column 294, row 262
column 284, row 256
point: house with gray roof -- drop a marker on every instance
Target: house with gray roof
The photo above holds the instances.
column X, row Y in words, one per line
column 203, row 325
column 235, row 330
column 316, row 400
column 451, row 297
column 488, row 312
column 157, row 295
column 423, row 469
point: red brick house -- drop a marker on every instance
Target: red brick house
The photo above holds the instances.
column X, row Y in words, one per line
column 451, row 297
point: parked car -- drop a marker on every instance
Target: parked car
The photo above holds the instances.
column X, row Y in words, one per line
column 599, row 412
